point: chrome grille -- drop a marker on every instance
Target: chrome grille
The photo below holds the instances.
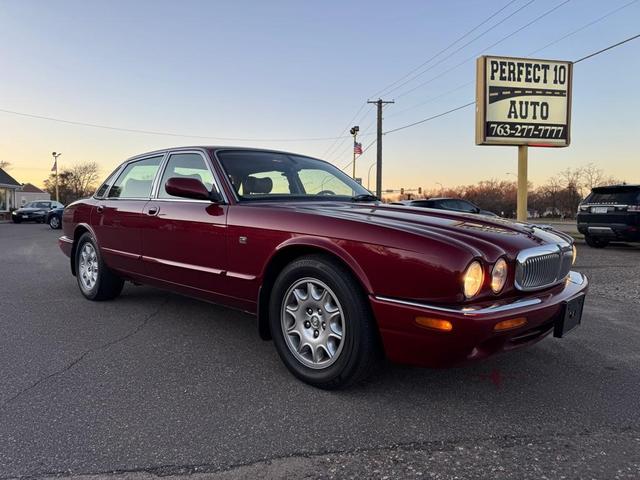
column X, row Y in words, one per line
column 541, row 267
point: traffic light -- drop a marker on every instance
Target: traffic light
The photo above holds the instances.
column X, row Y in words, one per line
column 419, row 190
column 402, row 191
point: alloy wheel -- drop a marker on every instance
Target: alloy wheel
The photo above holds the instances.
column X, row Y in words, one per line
column 313, row 323
column 88, row 267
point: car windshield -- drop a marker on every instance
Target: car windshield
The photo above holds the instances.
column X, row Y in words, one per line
column 36, row 205
column 267, row 175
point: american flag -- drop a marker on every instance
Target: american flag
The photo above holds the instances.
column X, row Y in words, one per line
column 55, row 165
column 357, row 148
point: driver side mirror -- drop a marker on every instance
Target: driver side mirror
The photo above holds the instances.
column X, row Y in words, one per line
column 190, row 188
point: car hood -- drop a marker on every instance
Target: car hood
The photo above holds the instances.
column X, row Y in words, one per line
column 31, row 210
column 484, row 235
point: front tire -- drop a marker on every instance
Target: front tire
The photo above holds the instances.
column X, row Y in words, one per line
column 595, row 242
column 321, row 323
column 54, row 222
column 94, row 278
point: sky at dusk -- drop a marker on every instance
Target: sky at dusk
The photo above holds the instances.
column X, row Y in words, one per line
column 299, row 70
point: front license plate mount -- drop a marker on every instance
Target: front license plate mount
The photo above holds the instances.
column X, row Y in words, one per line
column 570, row 316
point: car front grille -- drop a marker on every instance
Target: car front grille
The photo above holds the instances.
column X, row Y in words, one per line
column 541, row 267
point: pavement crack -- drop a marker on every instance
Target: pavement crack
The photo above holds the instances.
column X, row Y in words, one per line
column 85, row 354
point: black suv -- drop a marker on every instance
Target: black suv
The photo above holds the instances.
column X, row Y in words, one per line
column 610, row 214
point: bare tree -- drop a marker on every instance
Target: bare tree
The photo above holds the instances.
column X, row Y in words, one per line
column 4, row 164
column 592, row 176
column 84, row 178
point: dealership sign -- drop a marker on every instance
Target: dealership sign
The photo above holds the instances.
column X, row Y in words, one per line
column 521, row 101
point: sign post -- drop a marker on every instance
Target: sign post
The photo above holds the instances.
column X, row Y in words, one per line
column 524, row 102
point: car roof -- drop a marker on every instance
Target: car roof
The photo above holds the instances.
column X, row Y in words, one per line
column 215, row 148
column 623, row 186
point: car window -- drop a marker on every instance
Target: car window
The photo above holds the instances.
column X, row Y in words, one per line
column 266, row 174
column 39, row 205
column 136, row 179
column 105, row 186
column 185, row 165
column 465, row 206
column 614, row 195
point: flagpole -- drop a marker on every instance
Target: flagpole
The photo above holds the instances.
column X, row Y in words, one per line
column 55, row 166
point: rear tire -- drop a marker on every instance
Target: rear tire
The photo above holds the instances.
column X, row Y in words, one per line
column 595, row 242
column 95, row 280
column 321, row 323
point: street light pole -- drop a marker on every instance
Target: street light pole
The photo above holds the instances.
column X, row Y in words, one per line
column 354, row 131
column 369, row 176
column 441, row 187
column 55, row 167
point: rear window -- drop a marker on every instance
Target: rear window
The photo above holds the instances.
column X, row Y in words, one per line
column 615, row 195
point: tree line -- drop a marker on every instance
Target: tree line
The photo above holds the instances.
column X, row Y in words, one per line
column 558, row 197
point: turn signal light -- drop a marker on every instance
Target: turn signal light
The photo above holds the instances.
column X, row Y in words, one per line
column 510, row 324
column 435, row 324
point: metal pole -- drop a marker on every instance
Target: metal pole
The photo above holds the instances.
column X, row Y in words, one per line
column 522, row 182
column 55, row 164
column 355, row 139
column 369, row 176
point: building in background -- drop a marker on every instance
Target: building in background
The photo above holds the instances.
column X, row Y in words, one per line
column 28, row 193
column 8, row 188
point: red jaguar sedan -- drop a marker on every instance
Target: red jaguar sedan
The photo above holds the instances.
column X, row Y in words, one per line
column 336, row 278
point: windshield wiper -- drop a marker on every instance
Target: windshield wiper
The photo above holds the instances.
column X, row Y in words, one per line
column 364, row 197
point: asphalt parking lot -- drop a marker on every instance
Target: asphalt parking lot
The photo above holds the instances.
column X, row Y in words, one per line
column 154, row 384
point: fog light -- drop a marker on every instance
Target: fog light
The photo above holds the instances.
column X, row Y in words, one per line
column 510, row 324
column 435, row 324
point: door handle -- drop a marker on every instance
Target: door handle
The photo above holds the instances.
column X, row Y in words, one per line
column 153, row 210
column 100, row 208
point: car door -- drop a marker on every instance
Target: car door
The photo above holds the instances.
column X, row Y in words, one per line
column 184, row 240
column 117, row 217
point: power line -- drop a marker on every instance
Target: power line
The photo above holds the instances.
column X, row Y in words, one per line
column 518, row 30
column 591, row 55
column 607, row 48
column 583, row 27
column 336, row 145
column 554, row 42
column 385, row 90
column 168, row 134
column 431, row 118
column 344, row 130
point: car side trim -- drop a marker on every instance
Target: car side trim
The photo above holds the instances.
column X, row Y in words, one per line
column 121, row 253
column 189, row 266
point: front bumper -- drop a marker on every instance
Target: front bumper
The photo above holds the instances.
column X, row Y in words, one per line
column 473, row 336
column 611, row 231
column 66, row 245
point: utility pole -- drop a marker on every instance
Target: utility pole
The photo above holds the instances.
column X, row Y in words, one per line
column 55, row 168
column 380, row 104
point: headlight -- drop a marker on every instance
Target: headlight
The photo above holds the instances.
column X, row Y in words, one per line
column 575, row 254
column 499, row 275
column 472, row 279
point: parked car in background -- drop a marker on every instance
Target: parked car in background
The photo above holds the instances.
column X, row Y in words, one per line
column 54, row 218
column 610, row 214
column 452, row 204
column 34, row 211
column 335, row 277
